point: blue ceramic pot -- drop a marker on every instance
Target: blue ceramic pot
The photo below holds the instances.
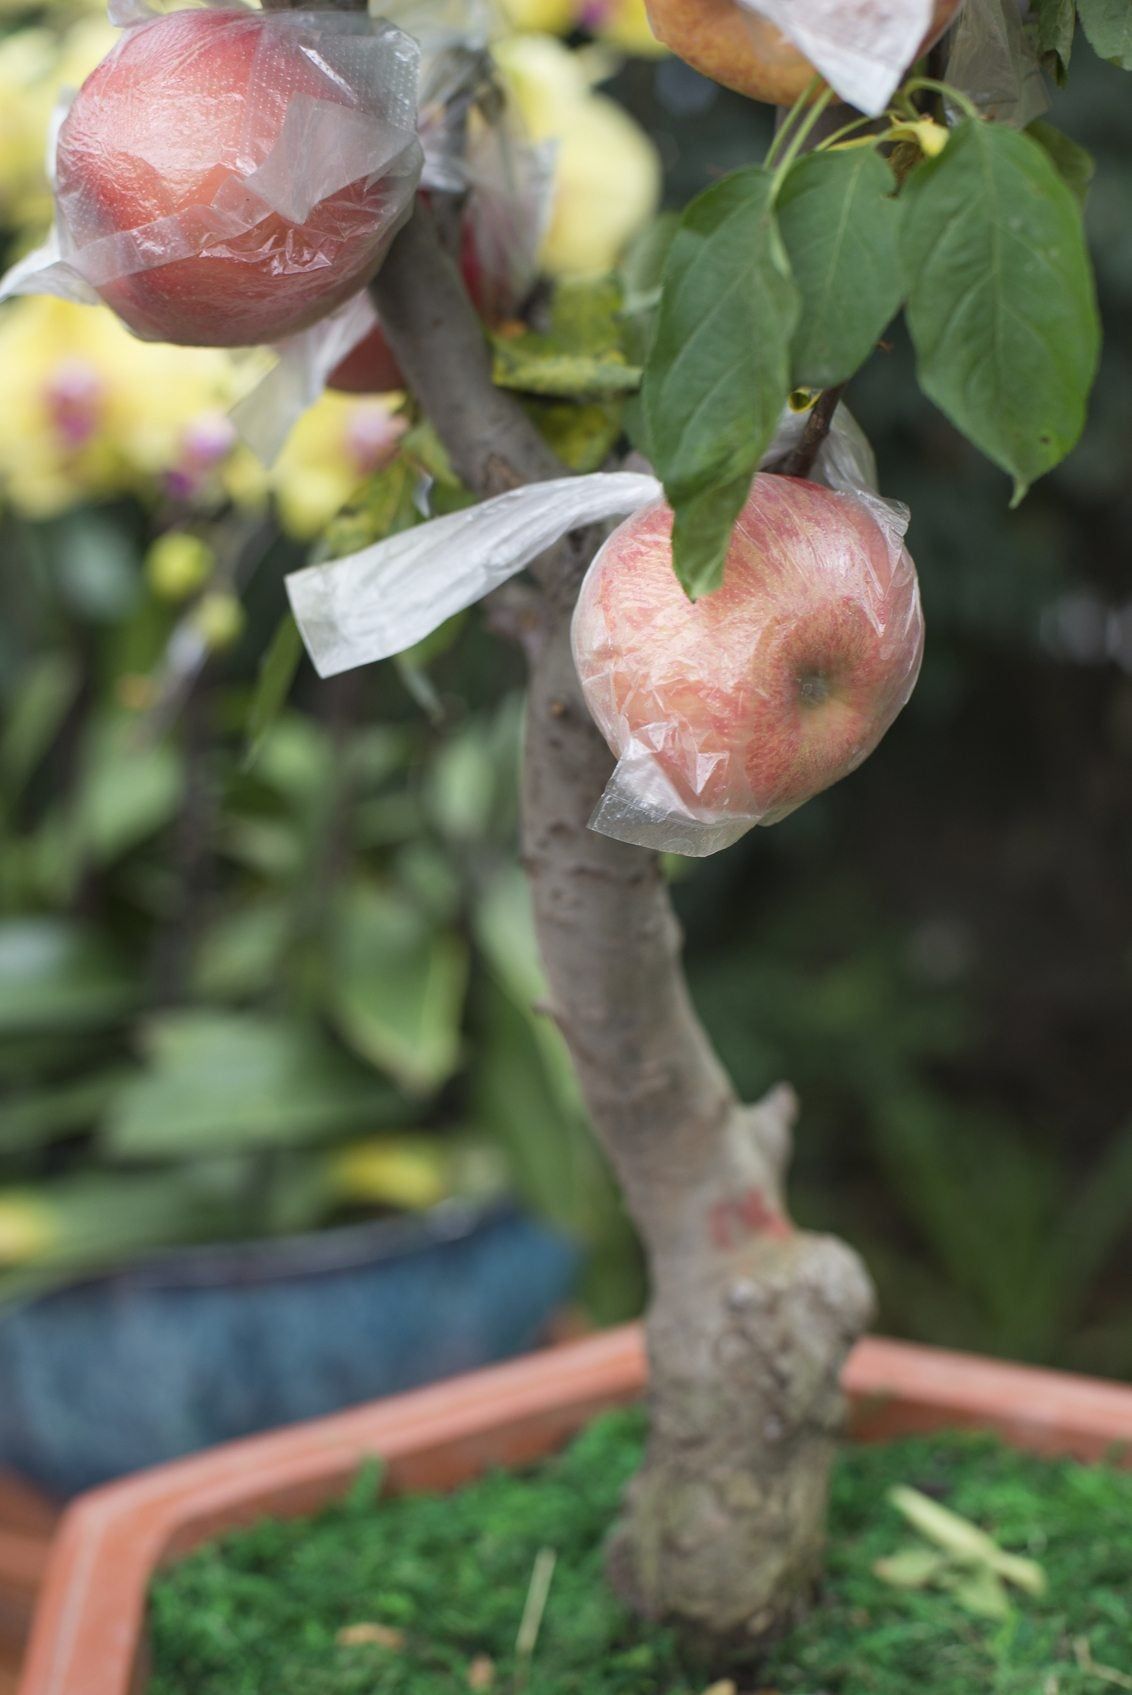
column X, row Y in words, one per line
column 201, row 1345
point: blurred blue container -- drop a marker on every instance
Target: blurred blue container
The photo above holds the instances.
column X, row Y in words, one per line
column 201, row 1345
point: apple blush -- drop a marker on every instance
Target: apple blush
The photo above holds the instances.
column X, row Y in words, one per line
column 744, row 704
column 176, row 153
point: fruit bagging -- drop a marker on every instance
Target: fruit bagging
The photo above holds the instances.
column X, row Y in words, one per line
column 255, row 187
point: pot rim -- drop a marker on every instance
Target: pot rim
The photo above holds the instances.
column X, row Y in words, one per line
column 287, row 1258
column 88, row 1634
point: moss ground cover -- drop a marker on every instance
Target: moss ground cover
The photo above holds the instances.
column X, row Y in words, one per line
column 425, row 1595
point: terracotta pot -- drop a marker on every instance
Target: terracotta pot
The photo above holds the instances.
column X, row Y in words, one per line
column 27, row 1522
column 88, row 1637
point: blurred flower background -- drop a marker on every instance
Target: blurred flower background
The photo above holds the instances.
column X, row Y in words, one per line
column 266, row 961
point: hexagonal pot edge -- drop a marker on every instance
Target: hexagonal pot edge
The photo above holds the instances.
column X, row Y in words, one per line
column 88, row 1635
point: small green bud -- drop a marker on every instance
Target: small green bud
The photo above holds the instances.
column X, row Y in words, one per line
column 219, row 618
column 177, row 565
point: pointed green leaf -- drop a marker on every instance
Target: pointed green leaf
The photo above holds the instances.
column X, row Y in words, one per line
column 398, row 989
column 227, row 1083
column 59, row 975
column 1055, row 22
column 718, row 374
column 1108, row 29
column 277, row 672
column 840, row 225
column 1001, row 304
column 1073, row 165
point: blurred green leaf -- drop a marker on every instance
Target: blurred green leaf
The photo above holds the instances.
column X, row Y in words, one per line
column 27, row 1121
column 1108, row 29
column 397, row 987
column 45, row 694
column 1074, row 166
column 225, row 1083
column 56, row 974
column 277, row 671
column 241, row 953
column 1056, row 23
column 98, row 565
column 130, row 789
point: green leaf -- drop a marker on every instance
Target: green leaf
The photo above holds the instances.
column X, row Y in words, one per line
column 29, row 1121
column 277, row 672
column 718, row 373
column 398, row 988
column 1054, row 22
column 1001, row 307
column 1108, row 30
column 840, row 225
column 534, row 367
column 1072, row 163
column 230, row 1083
column 130, row 789
column 32, row 720
column 58, row 975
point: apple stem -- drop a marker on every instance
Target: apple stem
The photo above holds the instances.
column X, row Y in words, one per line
column 799, row 462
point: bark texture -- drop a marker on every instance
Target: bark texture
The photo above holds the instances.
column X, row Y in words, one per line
column 750, row 1320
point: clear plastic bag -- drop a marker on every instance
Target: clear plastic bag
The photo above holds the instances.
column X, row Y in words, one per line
column 227, row 177
column 993, row 59
column 734, row 710
column 722, row 714
column 508, row 183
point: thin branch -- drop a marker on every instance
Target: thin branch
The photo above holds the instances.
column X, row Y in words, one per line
column 799, row 462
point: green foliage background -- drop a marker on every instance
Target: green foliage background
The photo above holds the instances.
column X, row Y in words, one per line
column 218, row 968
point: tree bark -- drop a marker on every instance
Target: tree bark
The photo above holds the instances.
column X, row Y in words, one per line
column 750, row 1320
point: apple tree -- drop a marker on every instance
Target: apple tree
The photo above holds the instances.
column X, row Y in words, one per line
column 738, row 645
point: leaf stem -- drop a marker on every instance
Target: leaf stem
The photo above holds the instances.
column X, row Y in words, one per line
column 798, row 140
column 799, row 462
column 778, row 140
column 966, row 105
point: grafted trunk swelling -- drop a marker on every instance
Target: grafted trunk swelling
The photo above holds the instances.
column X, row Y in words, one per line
column 750, row 1320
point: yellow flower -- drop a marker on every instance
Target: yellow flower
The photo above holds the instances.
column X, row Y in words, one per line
column 624, row 24
column 339, row 442
column 27, row 1228
column 35, row 66
column 549, row 17
column 607, row 171
column 91, row 412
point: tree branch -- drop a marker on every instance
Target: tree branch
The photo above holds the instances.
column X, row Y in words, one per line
column 799, row 462
column 750, row 1320
column 440, row 345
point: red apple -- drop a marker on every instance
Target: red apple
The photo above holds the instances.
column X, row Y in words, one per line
column 747, row 702
column 156, row 151
column 736, row 47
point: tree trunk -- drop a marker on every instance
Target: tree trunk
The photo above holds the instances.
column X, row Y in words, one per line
column 750, row 1320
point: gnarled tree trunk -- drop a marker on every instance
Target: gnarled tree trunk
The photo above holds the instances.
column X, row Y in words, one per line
column 750, row 1320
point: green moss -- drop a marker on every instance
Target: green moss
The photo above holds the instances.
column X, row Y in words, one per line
column 260, row 1612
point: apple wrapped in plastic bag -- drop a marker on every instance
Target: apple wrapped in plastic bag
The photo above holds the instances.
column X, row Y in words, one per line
column 226, row 177
column 507, row 183
column 722, row 713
